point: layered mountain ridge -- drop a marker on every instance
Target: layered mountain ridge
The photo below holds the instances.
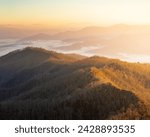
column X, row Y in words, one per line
column 40, row 84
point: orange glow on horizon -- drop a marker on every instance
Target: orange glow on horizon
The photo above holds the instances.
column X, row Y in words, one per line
column 64, row 13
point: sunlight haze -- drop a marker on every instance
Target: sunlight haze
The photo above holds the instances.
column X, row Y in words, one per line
column 111, row 28
column 62, row 12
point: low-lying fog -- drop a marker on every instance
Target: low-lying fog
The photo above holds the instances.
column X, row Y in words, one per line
column 127, row 44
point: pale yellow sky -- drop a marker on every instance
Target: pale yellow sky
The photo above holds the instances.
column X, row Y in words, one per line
column 76, row 12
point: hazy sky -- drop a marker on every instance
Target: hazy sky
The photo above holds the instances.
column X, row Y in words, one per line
column 74, row 12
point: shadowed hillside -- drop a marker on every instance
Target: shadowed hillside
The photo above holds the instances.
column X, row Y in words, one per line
column 40, row 84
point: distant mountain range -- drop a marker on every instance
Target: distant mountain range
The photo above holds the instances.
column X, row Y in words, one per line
column 126, row 42
column 39, row 84
column 40, row 36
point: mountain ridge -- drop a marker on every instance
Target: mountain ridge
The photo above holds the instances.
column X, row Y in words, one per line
column 76, row 88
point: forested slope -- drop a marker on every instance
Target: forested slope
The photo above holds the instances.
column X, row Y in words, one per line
column 40, row 84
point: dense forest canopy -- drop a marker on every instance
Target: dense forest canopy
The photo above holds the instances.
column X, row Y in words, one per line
column 40, row 84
